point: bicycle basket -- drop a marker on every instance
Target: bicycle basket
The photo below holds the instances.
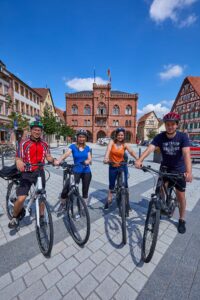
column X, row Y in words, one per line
column 9, row 172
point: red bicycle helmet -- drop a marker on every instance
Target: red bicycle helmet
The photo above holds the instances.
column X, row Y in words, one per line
column 171, row 116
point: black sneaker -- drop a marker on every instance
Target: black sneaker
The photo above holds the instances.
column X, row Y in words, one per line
column 107, row 205
column 14, row 223
column 181, row 226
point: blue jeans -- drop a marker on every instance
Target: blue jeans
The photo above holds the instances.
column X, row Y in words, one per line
column 113, row 171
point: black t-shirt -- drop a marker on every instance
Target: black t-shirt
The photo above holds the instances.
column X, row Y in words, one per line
column 171, row 149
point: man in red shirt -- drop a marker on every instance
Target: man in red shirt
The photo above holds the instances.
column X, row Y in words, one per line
column 31, row 151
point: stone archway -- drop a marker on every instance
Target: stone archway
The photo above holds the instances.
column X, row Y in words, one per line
column 128, row 137
column 89, row 137
column 101, row 134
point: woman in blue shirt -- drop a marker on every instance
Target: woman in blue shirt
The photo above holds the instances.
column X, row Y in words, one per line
column 82, row 157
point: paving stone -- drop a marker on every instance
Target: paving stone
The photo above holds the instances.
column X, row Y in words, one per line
column 85, row 267
column 54, row 261
column 107, row 289
column 126, row 293
column 68, row 266
column 33, row 292
column 5, row 280
column 102, row 270
column 137, row 280
column 128, row 263
column 115, row 258
column 161, row 247
column 83, row 254
column 73, row 295
column 21, row 270
column 166, row 239
column 37, row 260
column 69, row 251
column 12, row 290
column 171, row 233
column 94, row 235
column 35, row 275
column 93, row 296
column 86, row 286
column 68, row 282
column 52, row 294
column 146, row 269
column 95, row 245
column 51, row 278
column 108, row 248
column 119, row 274
column 59, row 247
column 157, row 256
column 98, row 257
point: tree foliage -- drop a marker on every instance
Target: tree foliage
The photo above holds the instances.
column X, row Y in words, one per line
column 152, row 134
column 22, row 121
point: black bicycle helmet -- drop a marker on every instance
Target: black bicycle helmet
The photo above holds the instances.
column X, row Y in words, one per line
column 81, row 132
column 120, row 129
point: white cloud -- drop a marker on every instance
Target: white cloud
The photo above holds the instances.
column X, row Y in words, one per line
column 160, row 108
column 81, row 84
column 161, row 10
column 171, row 71
column 188, row 21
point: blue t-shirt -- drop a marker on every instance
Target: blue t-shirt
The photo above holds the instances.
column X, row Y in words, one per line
column 171, row 149
column 79, row 157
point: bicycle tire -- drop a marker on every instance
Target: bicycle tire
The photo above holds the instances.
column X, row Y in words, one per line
column 123, row 216
column 12, row 186
column 153, row 213
column 75, row 205
column 45, row 247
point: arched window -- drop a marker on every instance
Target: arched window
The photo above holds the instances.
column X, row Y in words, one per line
column 128, row 110
column 101, row 110
column 87, row 110
column 74, row 109
column 115, row 110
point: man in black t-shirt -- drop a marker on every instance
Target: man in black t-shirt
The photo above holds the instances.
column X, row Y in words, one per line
column 175, row 148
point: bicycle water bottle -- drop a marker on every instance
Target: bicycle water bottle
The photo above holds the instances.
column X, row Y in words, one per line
column 39, row 183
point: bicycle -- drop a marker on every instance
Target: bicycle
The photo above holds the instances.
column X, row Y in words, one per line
column 163, row 201
column 122, row 197
column 76, row 208
column 44, row 223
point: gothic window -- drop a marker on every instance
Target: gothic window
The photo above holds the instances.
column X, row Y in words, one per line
column 128, row 110
column 74, row 109
column 115, row 110
column 87, row 110
column 101, row 110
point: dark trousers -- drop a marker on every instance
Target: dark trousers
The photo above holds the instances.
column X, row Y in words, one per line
column 86, row 179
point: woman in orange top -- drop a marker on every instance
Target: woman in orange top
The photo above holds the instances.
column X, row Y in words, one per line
column 115, row 153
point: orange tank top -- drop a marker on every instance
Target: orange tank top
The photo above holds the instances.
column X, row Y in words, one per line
column 117, row 154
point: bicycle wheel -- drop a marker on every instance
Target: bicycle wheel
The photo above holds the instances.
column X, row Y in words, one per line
column 173, row 203
column 11, row 197
column 150, row 232
column 44, row 232
column 79, row 219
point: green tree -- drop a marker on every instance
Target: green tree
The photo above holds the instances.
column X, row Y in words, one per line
column 152, row 134
column 22, row 121
column 66, row 130
column 49, row 122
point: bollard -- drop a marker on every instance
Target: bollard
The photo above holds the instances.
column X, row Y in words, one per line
column 140, row 151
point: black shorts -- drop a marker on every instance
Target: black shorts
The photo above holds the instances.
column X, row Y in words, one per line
column 26, row 180
column 180, row 183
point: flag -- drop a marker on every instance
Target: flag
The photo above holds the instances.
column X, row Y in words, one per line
column 109, row 77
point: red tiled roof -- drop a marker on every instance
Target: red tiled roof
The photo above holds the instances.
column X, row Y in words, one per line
column 60, row 113
column 144, row 117
column 195, row 82
column 42, row 91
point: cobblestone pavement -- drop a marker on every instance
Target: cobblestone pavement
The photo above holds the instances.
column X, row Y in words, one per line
column 103, row 269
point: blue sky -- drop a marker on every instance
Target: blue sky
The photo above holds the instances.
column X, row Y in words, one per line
column 149, row 45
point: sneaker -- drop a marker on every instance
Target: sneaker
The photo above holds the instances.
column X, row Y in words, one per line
column 181, row 226
column 14, row 223
column 61, row 207
column 106, row 206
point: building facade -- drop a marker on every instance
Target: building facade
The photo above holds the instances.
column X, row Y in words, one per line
column 17, row 96
column 101, row 111
column 147, row 123
column 46, row 100
column 187, row 104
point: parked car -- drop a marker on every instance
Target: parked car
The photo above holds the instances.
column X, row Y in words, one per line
column 103, row 141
